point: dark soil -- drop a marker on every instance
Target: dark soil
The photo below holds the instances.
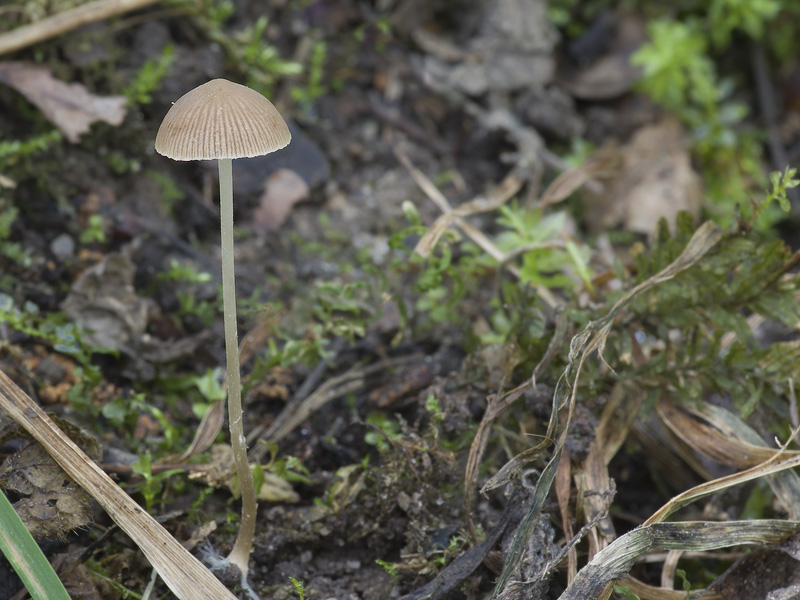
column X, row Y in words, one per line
column 398, row 500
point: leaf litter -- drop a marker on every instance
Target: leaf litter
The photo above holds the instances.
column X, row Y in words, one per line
column 69, row 106
column 574, row 453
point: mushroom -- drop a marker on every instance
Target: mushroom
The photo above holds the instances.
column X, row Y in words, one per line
column 224, row 120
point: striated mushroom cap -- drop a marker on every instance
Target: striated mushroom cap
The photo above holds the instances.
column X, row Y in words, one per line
column 221, row 119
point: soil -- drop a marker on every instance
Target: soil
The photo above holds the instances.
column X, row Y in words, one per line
column 378, row 515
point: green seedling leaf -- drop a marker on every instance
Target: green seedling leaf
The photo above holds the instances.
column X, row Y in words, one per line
column 210, row 386
column 780, row 183
column 26, row 558
column 625, row 591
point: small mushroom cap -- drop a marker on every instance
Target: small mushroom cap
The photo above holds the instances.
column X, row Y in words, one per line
column 221, row 119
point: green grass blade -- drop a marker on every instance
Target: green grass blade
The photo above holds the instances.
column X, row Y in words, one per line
column 26, row 557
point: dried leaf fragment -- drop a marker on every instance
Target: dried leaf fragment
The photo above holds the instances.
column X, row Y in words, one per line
column 103, row 301
column 655, row 179
column 53, row 504
column 69, row 106
column 282, row 190
column 220, row 473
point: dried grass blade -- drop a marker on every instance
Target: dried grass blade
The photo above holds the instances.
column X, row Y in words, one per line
column 596, row 481
column 650, row 592
column 295, row 413
column 617, row 418
column 65, row 21
column 616, row 560
column 430, row 238
column 183, row 573
column 710, row 441
column 495, row 409
column 214, row 418
column 593, row 338
column 485, row 203
column 563, row 486
column 570, row 181
column 729, row 431
column 705, row 489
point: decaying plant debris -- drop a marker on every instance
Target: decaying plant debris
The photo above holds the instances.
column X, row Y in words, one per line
column 512, row 329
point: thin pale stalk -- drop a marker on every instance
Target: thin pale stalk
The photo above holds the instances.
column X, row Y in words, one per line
column 240, row 553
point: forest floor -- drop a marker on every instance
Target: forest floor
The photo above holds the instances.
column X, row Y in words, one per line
column 460, row 258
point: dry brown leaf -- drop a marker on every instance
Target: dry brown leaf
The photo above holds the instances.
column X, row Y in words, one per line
column 53, row 504
column 69, row 106
column 655, row 180
column 103, row 301
column 210, row 426
column 712, row 439
column 184, row 574
column 282, row 190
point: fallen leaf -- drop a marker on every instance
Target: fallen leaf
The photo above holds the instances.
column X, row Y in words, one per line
column 53, row 504
column 282, row 190
column 69, row 106
column 102, row 300
column 220, row 472
column 655, row 179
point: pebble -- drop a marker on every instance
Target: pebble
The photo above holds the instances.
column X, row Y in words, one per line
column 63, row 247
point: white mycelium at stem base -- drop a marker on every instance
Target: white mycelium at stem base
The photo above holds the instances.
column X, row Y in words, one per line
column 224, row 120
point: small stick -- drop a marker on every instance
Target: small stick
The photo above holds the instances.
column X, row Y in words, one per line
column 184, row 574
column 55, row 25
column 504, row 192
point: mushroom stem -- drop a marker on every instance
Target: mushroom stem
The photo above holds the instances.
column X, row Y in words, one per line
column 240, row 553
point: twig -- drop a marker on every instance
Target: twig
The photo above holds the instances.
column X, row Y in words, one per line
column 300, row 409
column 497, row 405
column 183, row 573
column 484, row 203
column 55, row 25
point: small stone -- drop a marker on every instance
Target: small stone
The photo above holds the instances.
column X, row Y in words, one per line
column 352, row 566
column 403, row 501
column 63, row 247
